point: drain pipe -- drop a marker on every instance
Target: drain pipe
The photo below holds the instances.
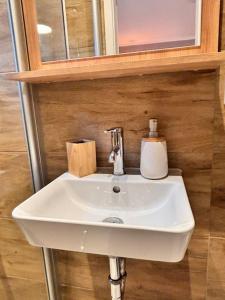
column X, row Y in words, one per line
column 117, row 277
column 123, row 275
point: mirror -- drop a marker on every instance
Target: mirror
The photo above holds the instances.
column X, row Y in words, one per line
column 71, row 29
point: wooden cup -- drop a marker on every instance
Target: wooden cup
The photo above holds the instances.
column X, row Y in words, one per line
column 81, row 157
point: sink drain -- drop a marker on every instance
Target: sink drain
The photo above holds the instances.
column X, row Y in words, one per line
column 113, row 220
column 116, row 189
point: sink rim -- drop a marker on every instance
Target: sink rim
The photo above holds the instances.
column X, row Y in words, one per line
column 180, row 228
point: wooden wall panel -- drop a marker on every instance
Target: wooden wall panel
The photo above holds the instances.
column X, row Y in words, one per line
column 69, row 293
column 218, row 178
column 216, row 275
column 18, row 259
column 21, row 289
column 6, row 51
column 82, row 267
column 184, row 280
column 11, row 126
column 21, row 270
column 89, row 107
column 14, row 177
column 216, row 269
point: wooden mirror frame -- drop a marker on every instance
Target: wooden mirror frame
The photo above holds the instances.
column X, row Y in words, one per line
column 209, row 41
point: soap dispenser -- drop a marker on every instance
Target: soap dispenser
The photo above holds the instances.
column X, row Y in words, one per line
column 154, row 159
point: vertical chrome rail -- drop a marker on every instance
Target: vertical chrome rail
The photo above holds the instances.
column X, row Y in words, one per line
column 50, row 274
column 65, row 27
column 30, row 126
column 97, row 27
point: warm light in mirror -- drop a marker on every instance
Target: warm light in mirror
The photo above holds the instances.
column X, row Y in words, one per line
column 155, row 24
column 44, row 29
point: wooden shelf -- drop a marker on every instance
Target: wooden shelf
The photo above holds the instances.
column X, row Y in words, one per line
column 110, row 68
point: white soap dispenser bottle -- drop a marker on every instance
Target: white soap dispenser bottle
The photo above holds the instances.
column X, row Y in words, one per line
column 154, row 159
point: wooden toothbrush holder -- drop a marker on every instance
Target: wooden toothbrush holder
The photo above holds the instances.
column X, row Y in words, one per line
column 81, row 157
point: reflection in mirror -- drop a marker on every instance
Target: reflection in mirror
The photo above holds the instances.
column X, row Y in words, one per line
column 70, row 29
column 51, row 30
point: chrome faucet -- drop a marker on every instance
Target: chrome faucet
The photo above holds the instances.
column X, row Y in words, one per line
column 116, row 155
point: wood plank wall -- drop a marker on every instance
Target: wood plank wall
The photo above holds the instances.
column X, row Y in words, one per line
column 216, row 249
column 21, row 270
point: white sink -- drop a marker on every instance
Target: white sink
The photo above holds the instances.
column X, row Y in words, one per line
column 68, row 214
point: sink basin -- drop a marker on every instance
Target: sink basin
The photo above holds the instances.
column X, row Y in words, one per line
column 124, row 216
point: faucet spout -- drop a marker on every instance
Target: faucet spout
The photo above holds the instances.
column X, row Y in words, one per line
column 116, row 155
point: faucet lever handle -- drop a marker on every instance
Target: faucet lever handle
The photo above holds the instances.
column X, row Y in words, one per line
column 114, row 130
